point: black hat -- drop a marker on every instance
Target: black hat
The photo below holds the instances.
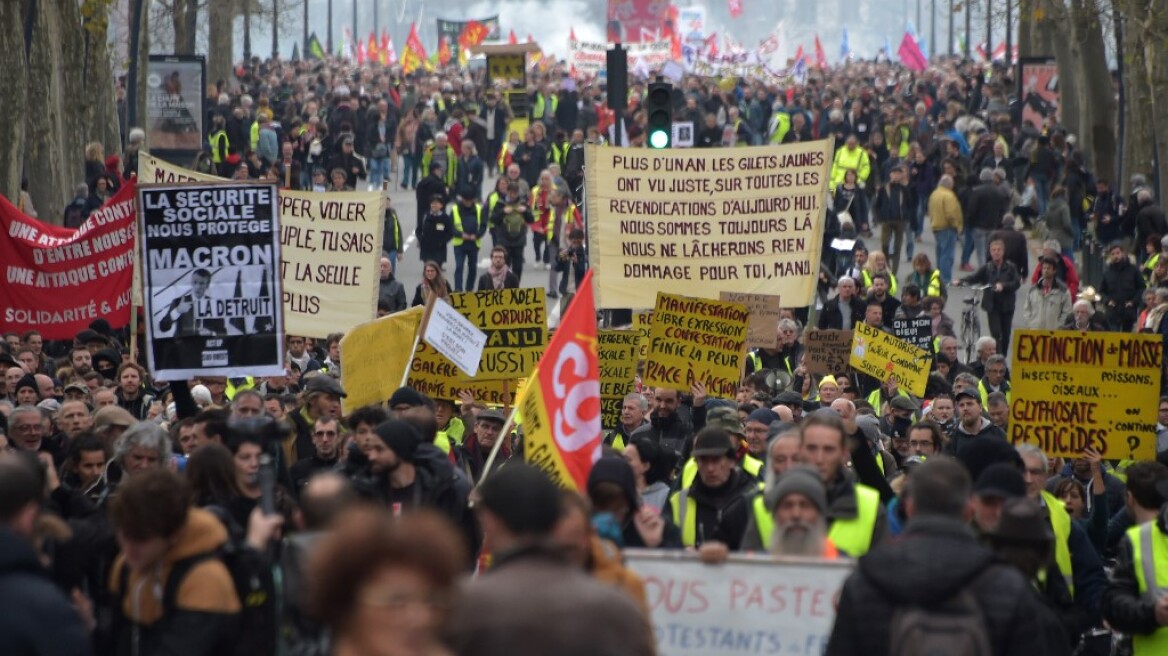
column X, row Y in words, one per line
column 28, row 380
column 401, row 437
column 491, row 415
column 409, row 396
column 615, row 469
column 88, row 335
column 325, row 383
column 109, row 356
column 1001, row 480
column 100, row 326
column 899, row 402
column 1023, row 520
column 6, row 358
column 789, row 398
column 524, row 499
column 713, row 442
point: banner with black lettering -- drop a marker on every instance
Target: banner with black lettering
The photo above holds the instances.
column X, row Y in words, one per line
column 210, row 258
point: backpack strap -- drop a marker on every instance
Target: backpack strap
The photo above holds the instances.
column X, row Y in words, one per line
column 179, row 572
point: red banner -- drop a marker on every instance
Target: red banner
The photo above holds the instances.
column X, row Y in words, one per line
column 628, row 20
column 561, row 401
column 57, row 280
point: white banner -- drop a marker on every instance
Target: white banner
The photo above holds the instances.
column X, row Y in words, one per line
column 454, row 336
column 747, row 605
column 590, row 58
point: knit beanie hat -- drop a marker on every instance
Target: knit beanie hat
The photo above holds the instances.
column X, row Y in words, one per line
column 401, row 437
column 798, row 480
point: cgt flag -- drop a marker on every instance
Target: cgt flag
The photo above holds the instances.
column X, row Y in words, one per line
column 560, row 404
column 414, row 54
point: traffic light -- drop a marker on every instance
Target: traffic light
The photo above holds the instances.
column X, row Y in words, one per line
column 659, row 110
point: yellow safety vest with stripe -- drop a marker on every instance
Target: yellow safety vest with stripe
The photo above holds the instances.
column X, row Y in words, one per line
column 557, row 154
column 755, row 361
column 452, row 436
column 1060, row 523
column 985, row 393
column 492, row 201
column 231, row 388
column 874, row 399
column 458, row 240
column 892, row 286
column 1149, row 266
column 451, row 163
column 1150, row 562
column 749, row 464
column 685, row 515
column 935, row 287
column 537, row 111
column 220, row 145
column 503, row 153
column 851, row 536
column 569, row 221
column 781, row 126
column 254, row 137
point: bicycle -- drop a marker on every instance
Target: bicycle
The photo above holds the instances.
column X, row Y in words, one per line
column 971, row 321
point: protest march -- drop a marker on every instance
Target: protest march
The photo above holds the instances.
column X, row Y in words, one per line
column 649, row 343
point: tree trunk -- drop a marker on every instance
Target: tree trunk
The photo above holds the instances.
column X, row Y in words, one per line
column 1051, row 32
column 1025, row 29
column 101, row 115
column 220, row 42
column 185, row 17
column 1157, row 80
column 1139, row 130
column 1097, row 127
column 14, row 79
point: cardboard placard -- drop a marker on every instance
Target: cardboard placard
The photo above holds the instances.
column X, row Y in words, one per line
column 828, row 351
column 1073, row 390
column 764, row 317
column 693, row 340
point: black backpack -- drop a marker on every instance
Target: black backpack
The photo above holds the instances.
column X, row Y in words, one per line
column 954, row 627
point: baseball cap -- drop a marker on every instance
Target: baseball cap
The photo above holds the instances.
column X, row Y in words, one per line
column 77, row 386
column 713, row 441
column 726, row 419
column 967, row 392
column 1000, row 480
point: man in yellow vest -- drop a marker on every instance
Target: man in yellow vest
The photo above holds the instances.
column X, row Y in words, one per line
column 1136, row 602
column 716, row 507
column 1075, row 558
column 470, row 224
column 994, row 379
column 726, row 418
column 856, row 517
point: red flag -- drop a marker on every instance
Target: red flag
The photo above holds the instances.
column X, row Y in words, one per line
column 799, row 53
column 473, row 34
column 511, row 38
column 59, row 279
column 820, row 56
column 444, row 51
column 571, row 34
column 360, row 52
column 371, row 49
column 669, row 31
column 911, row 55
column 383, row 52
column 735, row 8
column 560, row 404
column 415, row 53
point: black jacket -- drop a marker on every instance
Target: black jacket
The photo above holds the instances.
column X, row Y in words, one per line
column 306, row 468
column 830, row 316
column 36, row 618
column 934, row 560
column 1122, row 283
column 429, row 187
column 896, row 203
column 1124, row 608
column 486, row 283
column 723, row 513
column 992, row 274
column 986, row 207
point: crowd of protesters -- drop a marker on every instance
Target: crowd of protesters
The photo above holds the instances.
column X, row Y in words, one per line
column 249, row 515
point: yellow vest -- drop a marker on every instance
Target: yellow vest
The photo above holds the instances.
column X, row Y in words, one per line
column 851, row 536
column 217, row 139
column 537, row 111
column 569, row 221
column 892, row 286
column 685, row 514
column 1060, row 523
column 985, row 393
column 254, row 137
column 447, row 439
column 458, row 224
column 755, row 361
column 231, row 388
column 1150, row 561
column 749, row 464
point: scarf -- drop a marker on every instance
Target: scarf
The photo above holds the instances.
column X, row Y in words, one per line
column 498, row 276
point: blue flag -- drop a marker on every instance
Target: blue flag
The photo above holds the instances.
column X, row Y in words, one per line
column 844, row 49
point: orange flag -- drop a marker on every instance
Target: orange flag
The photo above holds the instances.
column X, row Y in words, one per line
column 443, row 51
column 560, row 404
column 414, row 54
column 371, row 50
column 511, row 38
column 473, row 34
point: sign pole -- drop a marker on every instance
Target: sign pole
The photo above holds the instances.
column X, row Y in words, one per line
column 417, row 338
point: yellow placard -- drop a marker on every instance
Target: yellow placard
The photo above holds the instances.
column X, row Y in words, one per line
column 641, row 322
column 330, row 251
column 881, row 355
column 505, row 67
column 618, row 371
column 694, row 339
column 1072, row 390
column 764, row 317
column 515, row 321
column 706, row 220
column 437, row 377
column 375, row 356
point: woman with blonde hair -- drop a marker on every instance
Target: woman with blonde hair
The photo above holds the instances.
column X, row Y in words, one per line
column 433, row 285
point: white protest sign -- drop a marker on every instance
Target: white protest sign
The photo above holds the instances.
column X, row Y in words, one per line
column 749, row 604
column 683, row 134
column 454, row 336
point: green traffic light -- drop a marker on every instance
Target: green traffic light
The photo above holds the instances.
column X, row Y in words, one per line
column 659, row 139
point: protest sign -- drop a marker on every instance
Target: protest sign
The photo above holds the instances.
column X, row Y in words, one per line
column 618, row 371
column 704, row 221
column 764, row 317
column 57, row 280
column 330, row 251
column 1073, row 390
column 827, row 351
column 437, row 377
column 376, row 354
column 515, row 323
column 749, row 604
column 641, row 323
column 695, row 340
column 881, row 355
column 590, row 57
column 453, row 29
column 452, row 335
column 210, row 258
column 917, row 331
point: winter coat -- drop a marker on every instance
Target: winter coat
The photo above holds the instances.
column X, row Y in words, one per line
column 36, row 618
column 936, row 558
column 986, row 207
column 1058, row 222
column 722, row 514
column 991, row 274
column 532, row 602
column 1122, row 283
column 1047, row 311
column 434, row 233
column 392, row 291
column 960, row 440
column 831, row 318
column 945, row 211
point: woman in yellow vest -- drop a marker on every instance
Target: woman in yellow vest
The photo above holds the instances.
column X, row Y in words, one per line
column 926, row 277
column 508, row 150
column 878, row 263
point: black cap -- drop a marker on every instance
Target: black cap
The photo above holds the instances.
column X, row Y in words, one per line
column 1023, row 520
column 789, row 398
column 713, row 442
column 325, row 383
column 903, row 403
column 6, row 358
column 401, row 437
column 967, row 392
column 1000, row 480
column 86, row 336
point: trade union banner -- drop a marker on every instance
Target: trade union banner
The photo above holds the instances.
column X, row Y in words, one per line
column 57, row 280
column 210, row 266
column 330, row 245
column 1072, row 391
column 747, row 220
